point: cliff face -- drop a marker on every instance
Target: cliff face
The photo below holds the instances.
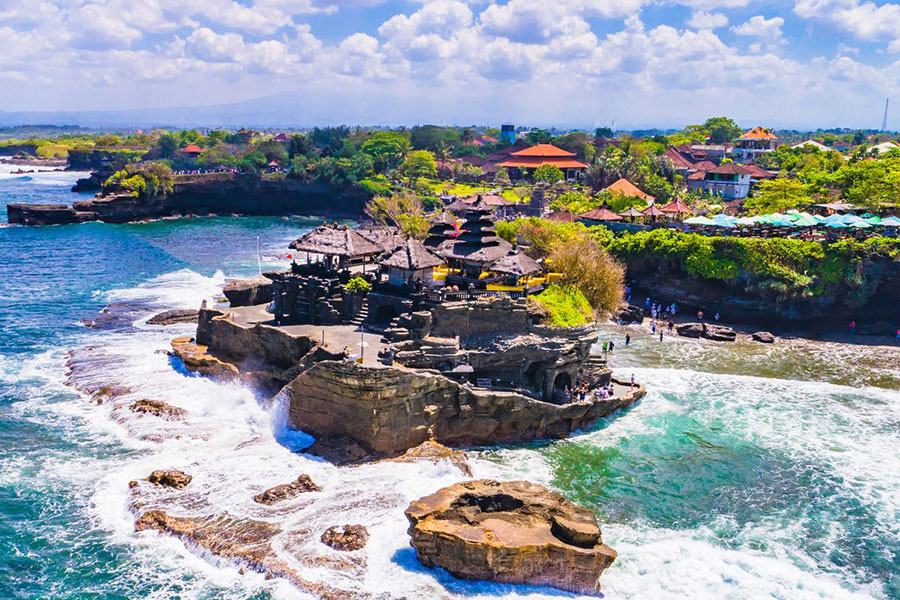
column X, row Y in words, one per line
column 389, row 410
column 208, row 194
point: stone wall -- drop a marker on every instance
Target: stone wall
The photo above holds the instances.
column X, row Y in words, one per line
column 263, row 344
column 389, row 410
column 482, row 318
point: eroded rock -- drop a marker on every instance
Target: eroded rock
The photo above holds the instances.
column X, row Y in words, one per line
column 158, row 408
column 286, row 491
column 172, row 478
column 338, row 450
column 346, row 538
column 435, row 452
column 511, row 532
column 173, row 317
column 628, row 314
column 763, row 337
column 248, row 292
column 197, row 359
column 717, row 333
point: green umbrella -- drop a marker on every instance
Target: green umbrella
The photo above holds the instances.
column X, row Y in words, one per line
column 873, row 220
column 699, row 221
column 805, row 221
column 859, row 225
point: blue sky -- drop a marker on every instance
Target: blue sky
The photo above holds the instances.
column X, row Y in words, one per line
column 640, row 63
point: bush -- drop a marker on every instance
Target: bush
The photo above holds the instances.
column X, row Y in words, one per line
column 145, row 180
column 566, row 305
column 586, row 265
column 548, row 174
column 358, row 285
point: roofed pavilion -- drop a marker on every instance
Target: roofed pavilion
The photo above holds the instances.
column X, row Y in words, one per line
column 338, row 246
column 477, row 244
column 527, row 160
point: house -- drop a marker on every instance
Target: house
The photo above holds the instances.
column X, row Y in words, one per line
column 282, row 137
column 410, row 262
column 753, row 144
column 884, row 147
column 523, row 163
column 812, row 144
column 191, row 151
column 624, row 187
column 730, row 181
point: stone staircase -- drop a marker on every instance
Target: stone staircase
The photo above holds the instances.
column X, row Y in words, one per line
column 362, row 315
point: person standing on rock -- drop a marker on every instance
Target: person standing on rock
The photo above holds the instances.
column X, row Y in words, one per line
column 605, row 346
column 852, row 327
column 628, row 338
column 632, row 381
column 660, row 334
column 699, row 315
column 612, row 345
column 717, row 317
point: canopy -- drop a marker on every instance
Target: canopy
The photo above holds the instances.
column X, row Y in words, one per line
column 873, row 220
column 699, row 221
column 835, row 225
column 600, row 214
column 859, row 225
column 653, row 211
column 745, row 221
column 805, row 221
column 676, row 206
column 890, row 222
column 631, row 212
column 336, row 240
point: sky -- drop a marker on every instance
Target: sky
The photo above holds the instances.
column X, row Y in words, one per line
column 564, row 63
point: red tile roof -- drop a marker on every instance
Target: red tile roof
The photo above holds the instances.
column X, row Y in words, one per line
column 626, row 188
column 731, row 169
column 544, row 151
column 192, row 149
column 758, row 133
column 600, row 214
column 535, row 162
column 676, row 206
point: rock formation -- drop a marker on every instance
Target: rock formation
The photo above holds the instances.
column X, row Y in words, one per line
column 628, row 314
column 248, row 292
column 173, row 317
column 513, row 532
column 346, row 538
column 718, row 333
column 158, row 408
column 196, row 359
column 763, row 337
column 434, row 452
column 286, row 491
column 172, row 478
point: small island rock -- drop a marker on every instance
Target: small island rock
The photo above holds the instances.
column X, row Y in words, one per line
column 717, row 333
column 158, row 408
column 512, row 532
column 249, row 292
column 172, row 478
column 173, row 317
column 286, row 491
column 764, row 337
column 346, row 538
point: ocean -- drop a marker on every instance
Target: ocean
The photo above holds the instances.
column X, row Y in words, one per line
column 747, row 472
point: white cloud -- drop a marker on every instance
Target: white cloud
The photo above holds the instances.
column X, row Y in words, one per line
column 705, row 20
column 761, row 27
column 865, row 20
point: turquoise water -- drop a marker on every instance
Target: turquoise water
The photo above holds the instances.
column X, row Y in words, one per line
column 747, row 471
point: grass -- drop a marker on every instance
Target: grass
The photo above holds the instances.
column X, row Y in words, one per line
column 566, row 304
column 457, row 188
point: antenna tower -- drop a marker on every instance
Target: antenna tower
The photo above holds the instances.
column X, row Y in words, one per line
column 884, row 120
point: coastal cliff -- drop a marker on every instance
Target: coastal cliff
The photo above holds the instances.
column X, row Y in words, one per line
column 205, row 194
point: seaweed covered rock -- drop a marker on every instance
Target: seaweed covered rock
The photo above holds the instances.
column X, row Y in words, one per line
column 158, row 408
column 174, row 317
column 511, row 532
column 172, row 478
column 346, row 538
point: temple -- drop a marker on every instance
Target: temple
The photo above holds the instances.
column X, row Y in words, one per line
column 523, row 163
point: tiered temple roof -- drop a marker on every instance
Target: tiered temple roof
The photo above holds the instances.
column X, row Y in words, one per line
column 336, row 240
column 478, row 241
column 411, row 255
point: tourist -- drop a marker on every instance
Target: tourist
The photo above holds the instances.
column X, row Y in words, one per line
column 852, row 327
column 660, row 334
column 671, row 326
column 612, row 345
column 699, row 315
column 647, row 304
column 628, row 338
column 717, row 317
column 653, row 327
column 605, row 346
column 632, row 381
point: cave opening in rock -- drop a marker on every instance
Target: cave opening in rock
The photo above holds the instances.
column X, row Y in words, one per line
column 562, row 382
column 489, row 504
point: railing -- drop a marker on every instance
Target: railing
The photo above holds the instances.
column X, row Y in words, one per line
column 438, row 296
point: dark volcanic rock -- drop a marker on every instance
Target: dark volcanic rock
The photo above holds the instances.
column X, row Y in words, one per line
column 338, row 450
column 286, row 491
column 629, row 313
column 172, row 478
column 763, row 337
column 158, row 408
column 718, row 333
column 172, row 317
column 512, row 532
column 347, row 538
column 249, row 292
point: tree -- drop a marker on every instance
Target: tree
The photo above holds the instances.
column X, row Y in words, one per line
column 604, row 132
column 299, row 144
column 188, row 136
column 418, row 163
column 387, row 149
column 538, row 136
column 105, row 141
column 585, row 264
column 404, row 209
column 501, row 177
column 778, row 195
column 166, row 145
column 548, row 174
column 273, row 151
column 721, row 130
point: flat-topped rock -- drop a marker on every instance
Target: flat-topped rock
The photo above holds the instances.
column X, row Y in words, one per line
column 763, row 337
column 158, row 408
column 286, row 491
column 717, row 333
column 249, row 292
column 176, row 316
column 197, row 359
column 511, row 532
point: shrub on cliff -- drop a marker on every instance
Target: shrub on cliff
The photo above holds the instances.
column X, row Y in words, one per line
column 144, row 180
column 565, row 304
column 586, row 265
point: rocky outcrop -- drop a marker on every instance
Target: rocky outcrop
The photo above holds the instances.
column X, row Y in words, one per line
column 246, row 541
column 513, row 532
column 174, row 317
column 249, row 292
column 763, row 337
column 629, row 314
column 205, row 194
column 434, row 452
column 286, row 491
column 158, row 408
column 172, row 478
column 717, row 333
column 197, row 359
column 389, row 410
column 347, row 538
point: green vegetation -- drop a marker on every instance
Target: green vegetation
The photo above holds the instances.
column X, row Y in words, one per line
column 548, row 174
column 778, row 195
column 776, row 268
column 145, row 180
column 358, row 285
column 404, row 210
column 566, row 305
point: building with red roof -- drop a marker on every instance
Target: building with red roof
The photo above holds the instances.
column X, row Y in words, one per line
column 624, row 187
column 753, row 144
column 729, row 180
column 192, row 150
column 524, row 162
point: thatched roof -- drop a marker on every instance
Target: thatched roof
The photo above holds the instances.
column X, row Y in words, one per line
column 600, row 214
column 488, row 251
column 386, row 237
column 562, row 216
column 410, row 255
column 631, row 212
column 517, row 264
column 336, row 240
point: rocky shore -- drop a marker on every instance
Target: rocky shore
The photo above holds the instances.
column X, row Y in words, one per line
column 203, row 195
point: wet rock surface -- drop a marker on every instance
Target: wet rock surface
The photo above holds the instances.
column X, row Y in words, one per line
column 763, row 337
column 346, row 538
column 338, row 450
column 286, row 491
column 512, row 532
column 629, row 314
column 174, row 317
column 434, row 452
column 172, row 478
column 717, row 333
column 249, row 292
column 158, row 408
column 197, row 359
